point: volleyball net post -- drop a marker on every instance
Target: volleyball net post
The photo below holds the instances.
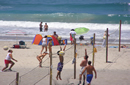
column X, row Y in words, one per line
column 119, row 36
column 17, row 78
column 75, row 58
column 93, row 49
column 107, row 45
column 50, row 55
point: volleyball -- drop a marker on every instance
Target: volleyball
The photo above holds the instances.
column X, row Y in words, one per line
column 61, row 53
column 59, row 37
column 5, row 48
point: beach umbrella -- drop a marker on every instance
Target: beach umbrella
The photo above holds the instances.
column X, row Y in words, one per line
column 81, row 30
column 15, row 33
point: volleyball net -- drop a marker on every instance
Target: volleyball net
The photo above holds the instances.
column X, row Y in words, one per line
column 37, row 74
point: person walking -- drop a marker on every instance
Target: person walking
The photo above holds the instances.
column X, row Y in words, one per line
column 90, row 70
column 44, row 44
column 83, row 64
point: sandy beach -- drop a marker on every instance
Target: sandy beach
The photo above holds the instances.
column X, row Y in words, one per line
column 115, row 72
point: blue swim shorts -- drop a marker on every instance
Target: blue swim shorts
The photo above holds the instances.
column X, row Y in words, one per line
column 89, row 78
column 60, row 66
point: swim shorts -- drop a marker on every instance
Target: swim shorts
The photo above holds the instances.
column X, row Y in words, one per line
column 44, row 44
column 7, row 61
column 71, row 38
column 89, row 78
column 82, row 71
column 60, row 66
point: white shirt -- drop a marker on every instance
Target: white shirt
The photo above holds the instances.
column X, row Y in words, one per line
column 44, row 41
column 72, row 32
column 8, row 57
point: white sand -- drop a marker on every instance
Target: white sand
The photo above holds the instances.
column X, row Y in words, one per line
column 116, row 72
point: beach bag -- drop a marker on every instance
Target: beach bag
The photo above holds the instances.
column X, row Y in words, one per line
column 16, row 46
column 95, row 50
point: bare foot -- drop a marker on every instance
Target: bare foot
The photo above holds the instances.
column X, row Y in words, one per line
column 40, row 65
column 60, row 78
column 57, row 78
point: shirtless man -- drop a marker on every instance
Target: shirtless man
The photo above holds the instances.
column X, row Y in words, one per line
column 90, row 70
column 55, row 35
column 40, row 57
column 40, row 27
column 45, row 27
column 83, row 64
column 60, row 64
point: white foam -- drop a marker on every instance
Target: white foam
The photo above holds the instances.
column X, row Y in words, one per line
column 63, row 25
column 63, row 28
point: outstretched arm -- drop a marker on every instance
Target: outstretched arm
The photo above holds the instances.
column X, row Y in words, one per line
column 60, row 48
column 85, row 52
column 12, row 57
column 64, row 48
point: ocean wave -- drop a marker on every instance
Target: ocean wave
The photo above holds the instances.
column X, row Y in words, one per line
column 61, row 25
column 68, row 17
column 5, row 7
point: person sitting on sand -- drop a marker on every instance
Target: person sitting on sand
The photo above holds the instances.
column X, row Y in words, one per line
column 8, row 60
column 90, row 70
column 124, row 46
column 40, row 57
column 60, row 64
column 83, row 64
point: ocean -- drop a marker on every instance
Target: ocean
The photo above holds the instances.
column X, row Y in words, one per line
column 62, row 16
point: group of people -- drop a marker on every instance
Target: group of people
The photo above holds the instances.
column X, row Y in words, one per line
column 86, row 69
column 42, row 55
column 45, row 27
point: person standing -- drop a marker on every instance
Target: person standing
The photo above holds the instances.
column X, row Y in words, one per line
column 83, row 64
column 55, row 35
column 72, row 36
column 104, row 39
column 45, row 27
column 9, row 61
column 40, row 27
column 60, row 64
column 44, row 44
column 90, row 70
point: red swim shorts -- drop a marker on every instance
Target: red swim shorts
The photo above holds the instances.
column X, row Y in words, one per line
column 7, row 61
